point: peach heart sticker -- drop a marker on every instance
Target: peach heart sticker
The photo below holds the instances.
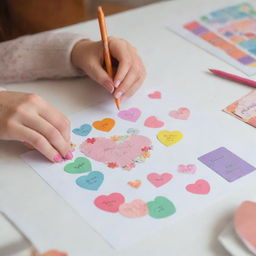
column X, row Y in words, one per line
column 169, row 138
column 245, row 224
column 181, row 113
column 134, row 184
column 104, row 125
column 137, row 208
column 153, row 122
column 109, row 203
column 159, row 180
column 155, row 95
column 190, row 168
column 199, row 187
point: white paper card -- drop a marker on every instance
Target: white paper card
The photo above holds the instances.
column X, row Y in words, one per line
column 177, row 161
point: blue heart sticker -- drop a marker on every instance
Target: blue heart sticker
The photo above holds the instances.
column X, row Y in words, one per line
column 92, row 181
column 132, row 131
column 84, row 130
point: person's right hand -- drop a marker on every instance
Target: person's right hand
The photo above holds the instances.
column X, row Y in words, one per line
column 30, row 119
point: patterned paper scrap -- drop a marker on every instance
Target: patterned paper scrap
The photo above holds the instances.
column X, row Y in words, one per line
column 244, row 108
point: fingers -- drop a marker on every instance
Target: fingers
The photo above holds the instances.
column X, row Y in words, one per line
column 39, row 142
column 126, row 84
column 121, row 52
column 58, row 120
column 132, row 81
column 131, row 72
column 98, row 74
column 133, row 89
column 51, row 134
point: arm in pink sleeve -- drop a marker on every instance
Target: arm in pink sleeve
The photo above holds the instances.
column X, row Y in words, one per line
column 44, row 55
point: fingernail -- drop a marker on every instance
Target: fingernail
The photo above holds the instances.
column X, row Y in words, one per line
column 117, row 83
column 55, row 253
column 57, row 159
column 69, row 156
column 118, row 95
column 109, row 86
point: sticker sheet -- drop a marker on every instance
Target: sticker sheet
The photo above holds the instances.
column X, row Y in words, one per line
column 137, row 170
column 228, row 32
column 244, row 108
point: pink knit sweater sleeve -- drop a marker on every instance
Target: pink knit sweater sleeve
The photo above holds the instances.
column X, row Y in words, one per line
column 44, row 55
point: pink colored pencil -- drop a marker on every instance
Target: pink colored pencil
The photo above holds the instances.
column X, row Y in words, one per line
column 232, row 77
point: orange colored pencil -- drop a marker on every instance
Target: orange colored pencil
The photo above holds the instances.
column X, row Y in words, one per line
column 107, row 57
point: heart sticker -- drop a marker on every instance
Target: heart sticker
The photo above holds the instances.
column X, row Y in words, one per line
column 161, row 207
column 155, row 95
column 83, row 130
column 153, row 122
column 131, row 114
column 190, row 168
column 92, row 181
column 137, row 208
column 169, row 138
column 159, row 180
column 181, row 113
column 104, row 125
column 133, row 131
column 199, row 187
column 134, row 184
column 80, row 165
column 118, row 151
column 245, row 224
column 109, row 203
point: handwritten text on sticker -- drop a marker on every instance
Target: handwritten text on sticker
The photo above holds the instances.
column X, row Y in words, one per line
column 104, row 125
column 199, row 187
column 159, row 180
column 161, row 207
column 168, row 138
column 109, row 203
column 131, row 114
column 137, row 208
column 92, row 181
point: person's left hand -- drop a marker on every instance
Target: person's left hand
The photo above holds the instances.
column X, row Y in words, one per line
column 49, row 253
column 88, row 56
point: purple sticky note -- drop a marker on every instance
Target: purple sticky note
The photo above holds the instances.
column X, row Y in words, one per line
column 226, row 164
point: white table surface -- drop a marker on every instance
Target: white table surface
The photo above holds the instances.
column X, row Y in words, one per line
column 170, row 61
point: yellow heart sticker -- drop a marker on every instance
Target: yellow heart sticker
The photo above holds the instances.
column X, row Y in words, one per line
column 169, row 138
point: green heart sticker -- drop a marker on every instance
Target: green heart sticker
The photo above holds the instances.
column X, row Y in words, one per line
column 80, row 165
column 161, row 207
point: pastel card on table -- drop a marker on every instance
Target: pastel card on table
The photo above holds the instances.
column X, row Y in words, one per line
column 226, row 164
column 244, row 108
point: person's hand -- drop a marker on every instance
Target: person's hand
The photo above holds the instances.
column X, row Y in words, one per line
column 30, row 119
column 49, row 253
column 88, row 56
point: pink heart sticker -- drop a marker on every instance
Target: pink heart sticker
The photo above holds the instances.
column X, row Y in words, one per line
column 155, row 95
column 190, row 168
column 245, row 224
column 135, row 209
column 131, row 114
column 153, row 122
column 181, row 113
column 109, row 203
column 118, row 151
column 159, row 180
column 199, row 187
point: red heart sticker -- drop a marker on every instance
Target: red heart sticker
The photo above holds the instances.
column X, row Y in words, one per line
column 109, row 203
